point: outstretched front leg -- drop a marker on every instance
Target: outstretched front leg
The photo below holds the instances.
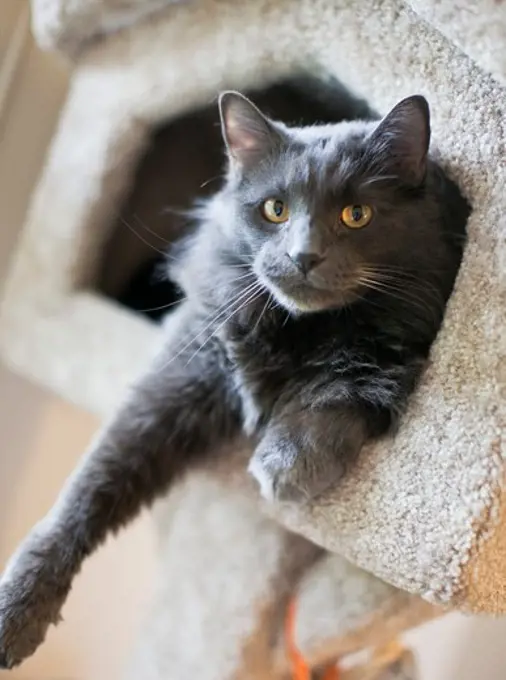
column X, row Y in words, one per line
column 176, row 413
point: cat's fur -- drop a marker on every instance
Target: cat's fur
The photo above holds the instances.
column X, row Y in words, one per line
column 307, row 335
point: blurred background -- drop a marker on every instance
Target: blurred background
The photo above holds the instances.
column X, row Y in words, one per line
column 42, row 437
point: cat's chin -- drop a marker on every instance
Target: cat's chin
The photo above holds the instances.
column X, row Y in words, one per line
column 302, row 300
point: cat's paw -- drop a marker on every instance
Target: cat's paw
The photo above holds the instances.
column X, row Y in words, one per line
column 285, row 472
column 31, row 597
column 274, row 480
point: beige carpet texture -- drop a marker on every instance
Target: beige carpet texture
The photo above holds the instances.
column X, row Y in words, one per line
column 421, row 520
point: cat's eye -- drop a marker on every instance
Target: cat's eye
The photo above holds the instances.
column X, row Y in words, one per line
column 275, row 210
column 356, row 216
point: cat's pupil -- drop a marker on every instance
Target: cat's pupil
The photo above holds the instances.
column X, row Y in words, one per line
column 356, row 213
column 278, row 208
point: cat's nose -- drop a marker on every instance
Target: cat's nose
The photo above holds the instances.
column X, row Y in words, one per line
column 306, row 261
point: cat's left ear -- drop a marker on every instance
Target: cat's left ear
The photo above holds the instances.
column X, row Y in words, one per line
column 248, row 134
column 401, row 140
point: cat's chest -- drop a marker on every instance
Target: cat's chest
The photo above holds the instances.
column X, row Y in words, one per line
column 258, row 375
column 272, row 358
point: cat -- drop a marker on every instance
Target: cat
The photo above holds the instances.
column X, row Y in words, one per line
column 316, row 281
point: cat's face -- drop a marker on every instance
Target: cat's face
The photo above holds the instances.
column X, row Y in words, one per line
column 325, row 214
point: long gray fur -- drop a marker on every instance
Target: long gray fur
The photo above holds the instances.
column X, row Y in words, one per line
column 309, row 363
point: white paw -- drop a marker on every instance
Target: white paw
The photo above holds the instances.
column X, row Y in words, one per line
column 277, row 480
column 288, row 473
column 265, row 481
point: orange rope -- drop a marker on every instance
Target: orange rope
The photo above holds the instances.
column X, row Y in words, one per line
column 300, row 669
column 332, row 673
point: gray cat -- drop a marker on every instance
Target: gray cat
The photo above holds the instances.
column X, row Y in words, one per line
column 315, row 281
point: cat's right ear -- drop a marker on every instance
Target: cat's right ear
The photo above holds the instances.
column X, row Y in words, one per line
column 249, row 136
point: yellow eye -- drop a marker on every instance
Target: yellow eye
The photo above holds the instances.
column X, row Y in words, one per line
column 356, row 216
column 275, row 210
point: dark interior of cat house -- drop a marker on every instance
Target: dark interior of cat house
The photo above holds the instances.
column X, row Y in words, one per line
column 184, row 162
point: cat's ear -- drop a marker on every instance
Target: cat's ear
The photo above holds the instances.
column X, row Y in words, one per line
column 401, row 140
column 248, row 134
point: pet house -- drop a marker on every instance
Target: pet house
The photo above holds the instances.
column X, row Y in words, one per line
column 424, row 514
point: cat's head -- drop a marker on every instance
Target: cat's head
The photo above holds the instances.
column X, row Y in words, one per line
column 324, row 214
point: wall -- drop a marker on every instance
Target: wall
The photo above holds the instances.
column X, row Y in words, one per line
column 42, row 437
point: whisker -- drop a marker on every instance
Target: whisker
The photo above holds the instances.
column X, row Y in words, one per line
column 395, row 279
column 405, row 271
column 208, row 181
column 262, row 312
column 244, row 276
column 223, row 309
column 159, row 308
column 274, row 302
column 141, row 238
column 150, row 231
column 423, row 309
column 178, row 212
column 427, row 291
column 397, row 294
column 376, row 303
column 401, row 269
column 378, row 178
column 252, row 295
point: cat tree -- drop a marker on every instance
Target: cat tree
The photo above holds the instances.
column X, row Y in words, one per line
column 425, row 514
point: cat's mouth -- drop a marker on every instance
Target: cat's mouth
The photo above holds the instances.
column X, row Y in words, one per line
column 303, row 296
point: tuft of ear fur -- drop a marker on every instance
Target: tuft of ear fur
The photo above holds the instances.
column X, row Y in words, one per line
column 401, row 140
column 248, row 134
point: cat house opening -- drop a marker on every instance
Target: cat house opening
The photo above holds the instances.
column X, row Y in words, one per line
column 183, row 163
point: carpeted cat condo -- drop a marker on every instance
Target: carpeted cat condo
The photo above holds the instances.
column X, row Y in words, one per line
column 425, row 513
